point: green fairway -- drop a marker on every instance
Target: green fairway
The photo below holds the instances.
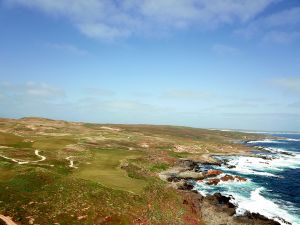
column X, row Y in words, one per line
column 104, row 168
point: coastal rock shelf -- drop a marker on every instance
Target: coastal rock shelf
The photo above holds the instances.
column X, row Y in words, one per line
column 184, row 177
column 190, row 171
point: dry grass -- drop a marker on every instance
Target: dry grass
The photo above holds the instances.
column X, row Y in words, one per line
column 115, row 182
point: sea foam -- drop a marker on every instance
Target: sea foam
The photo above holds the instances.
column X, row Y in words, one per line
column 250, row 196
column 259, row 204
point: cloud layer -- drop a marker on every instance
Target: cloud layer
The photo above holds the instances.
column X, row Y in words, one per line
column 31, row 90
column 278, row 27
column 100, row 105
column 290, row 84
column 107, row 19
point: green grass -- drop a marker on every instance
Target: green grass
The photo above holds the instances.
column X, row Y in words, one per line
column 7, row 139
column 179, row 154
column 105, row 169
column 21, row 145
column 158, row 167
column 31, row 179
column 52, row 143
column 136, row 172
column 64, row 199
column 6, row 174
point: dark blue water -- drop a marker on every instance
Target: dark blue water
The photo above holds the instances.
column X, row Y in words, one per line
column 273, row 186
column 287, row 187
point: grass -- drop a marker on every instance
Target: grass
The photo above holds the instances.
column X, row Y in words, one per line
column 8, row 139
column 179, row 154
column 158, row 167
column 50, row 198
column 7, row 171
column 26, row 154
column 135, row 171
column 6, row 174
column 116, row 181
column 105, row 168
column 52, row 143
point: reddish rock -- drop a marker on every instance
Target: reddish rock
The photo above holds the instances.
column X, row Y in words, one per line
column 227, row 178
column 213, row 173
column 213, row 181
column 232, row 178
column 241, row 179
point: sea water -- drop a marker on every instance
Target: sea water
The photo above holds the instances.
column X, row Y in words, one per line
column 272, row 188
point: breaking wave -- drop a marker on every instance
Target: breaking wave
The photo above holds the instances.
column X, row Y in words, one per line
column 272, row 177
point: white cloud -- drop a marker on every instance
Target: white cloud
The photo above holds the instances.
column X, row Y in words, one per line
column 107, row 19
column 287, row 17
column 291, row 84
column 39, row 99
column 278, row 27
column 42, row 90
column 32, row 90
column 222, row 49
column 281, row 37
column 99, row 30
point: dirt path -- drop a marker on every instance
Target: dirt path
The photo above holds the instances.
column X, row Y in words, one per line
column 7, row 220
column 11, row 159
column 43, row 158
column 69, row 158
column 20, row 161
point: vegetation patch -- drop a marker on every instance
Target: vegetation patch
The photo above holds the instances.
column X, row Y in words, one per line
column 104, row 167
column 53, row 143
column 12, row 140
column 179, row 154
column 158, row 167
column 113, row 179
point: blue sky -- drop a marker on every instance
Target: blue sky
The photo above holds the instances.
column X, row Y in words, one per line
column 200, row 63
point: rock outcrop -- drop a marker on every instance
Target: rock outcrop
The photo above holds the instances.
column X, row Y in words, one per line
column 190, row 175
column 215, row 209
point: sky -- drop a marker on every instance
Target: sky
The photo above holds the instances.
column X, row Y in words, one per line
column 203, row 63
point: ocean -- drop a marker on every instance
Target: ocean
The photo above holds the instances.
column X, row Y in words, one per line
column 272, row 188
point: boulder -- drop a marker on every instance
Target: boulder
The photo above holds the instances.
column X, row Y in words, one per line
column 231, row 166
column 213, row 173
column 181, row 185
column 224, row 200
column 233, row 178
column 241, row 179
column 173, row 178
column 190, row 175
column 287, row 153
column 185, row 186
column 213, row 181
column 260, row 219
column 223, row 203
column 227, row 178
column 216, row 163
column 186, row 163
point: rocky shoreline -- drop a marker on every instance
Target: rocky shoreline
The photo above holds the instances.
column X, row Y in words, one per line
column 214, row 209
